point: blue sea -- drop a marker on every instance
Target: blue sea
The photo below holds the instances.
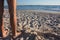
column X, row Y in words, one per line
column 38, row 7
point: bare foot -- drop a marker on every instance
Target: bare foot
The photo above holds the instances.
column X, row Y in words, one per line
column 5, row 33
column 17, row 34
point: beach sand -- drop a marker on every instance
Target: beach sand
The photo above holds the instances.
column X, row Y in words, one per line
column 35, row 25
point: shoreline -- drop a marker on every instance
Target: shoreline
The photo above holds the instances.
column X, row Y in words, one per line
column 44, row 11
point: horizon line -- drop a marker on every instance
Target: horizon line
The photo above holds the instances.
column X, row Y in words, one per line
column 7, row 5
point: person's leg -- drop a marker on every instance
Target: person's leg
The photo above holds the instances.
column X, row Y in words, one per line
column 1, row 17
column 12, row 12
column 13, row 19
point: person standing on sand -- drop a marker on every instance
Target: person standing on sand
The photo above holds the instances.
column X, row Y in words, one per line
column 13, row 21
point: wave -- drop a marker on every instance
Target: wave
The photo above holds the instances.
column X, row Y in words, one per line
column 37, row 7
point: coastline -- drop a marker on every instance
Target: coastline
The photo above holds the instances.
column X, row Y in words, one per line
column 44, row 11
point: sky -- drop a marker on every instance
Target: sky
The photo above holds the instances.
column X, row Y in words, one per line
column 37, row 2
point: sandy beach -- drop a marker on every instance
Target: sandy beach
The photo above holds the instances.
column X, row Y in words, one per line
column 35, row 25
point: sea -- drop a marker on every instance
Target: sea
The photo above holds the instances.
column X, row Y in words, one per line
column 38, row 7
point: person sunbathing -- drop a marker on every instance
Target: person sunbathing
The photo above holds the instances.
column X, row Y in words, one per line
column 13, row 21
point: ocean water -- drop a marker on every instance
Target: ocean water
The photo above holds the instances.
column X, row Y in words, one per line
column 38, row 7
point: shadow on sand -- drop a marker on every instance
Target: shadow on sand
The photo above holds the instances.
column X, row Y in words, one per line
column 29, row 36
column 26, row 36
column 51, row 36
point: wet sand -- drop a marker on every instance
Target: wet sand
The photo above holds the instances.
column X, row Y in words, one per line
column 35, row 25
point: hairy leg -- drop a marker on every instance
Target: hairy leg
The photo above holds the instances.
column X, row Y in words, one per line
column 12, row 12
column 1, row 17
